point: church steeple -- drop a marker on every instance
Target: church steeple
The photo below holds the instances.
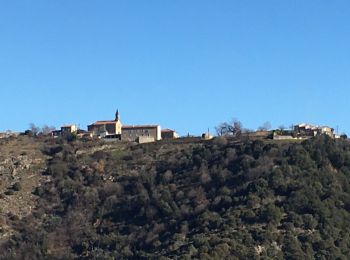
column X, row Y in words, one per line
column 117, row 116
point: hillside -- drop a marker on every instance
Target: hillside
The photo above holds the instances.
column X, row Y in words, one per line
column 219, row 199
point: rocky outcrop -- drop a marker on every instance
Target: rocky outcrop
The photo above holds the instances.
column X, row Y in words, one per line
column 21, row 167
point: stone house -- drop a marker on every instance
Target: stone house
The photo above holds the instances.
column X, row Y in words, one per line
column 308, row 130
column 69, row 129
column 169, row 134
column 132, row 133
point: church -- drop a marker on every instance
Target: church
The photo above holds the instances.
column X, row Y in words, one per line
column 106, row 128
column 114, row 129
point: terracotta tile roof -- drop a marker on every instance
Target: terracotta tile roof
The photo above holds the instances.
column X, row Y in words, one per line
column 124, row 126
column 138, row 126
column 167, row 130
column 104, row 122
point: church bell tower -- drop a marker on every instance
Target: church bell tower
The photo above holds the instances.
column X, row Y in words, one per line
column 118, row 124
column 117, row 116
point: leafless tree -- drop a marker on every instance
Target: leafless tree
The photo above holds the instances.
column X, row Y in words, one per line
column 232, row 128
column 265, row 126
column 47, row 129
column 221, row 129
column 281, row 127
column 34, row 129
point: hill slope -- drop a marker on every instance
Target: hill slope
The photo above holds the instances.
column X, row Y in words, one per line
column 208, row 200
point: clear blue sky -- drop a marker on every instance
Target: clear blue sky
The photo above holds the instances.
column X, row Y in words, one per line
column 184, row 64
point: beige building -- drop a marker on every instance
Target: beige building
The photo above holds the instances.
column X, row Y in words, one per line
column 169, row 134
column 69, row 129
column 132, row 133
column 111, row 129
column 311, row 130
column 145, row 139
column 107, row 128
column 326, row 130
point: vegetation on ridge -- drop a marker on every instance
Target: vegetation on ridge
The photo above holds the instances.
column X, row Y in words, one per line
column 219, row 199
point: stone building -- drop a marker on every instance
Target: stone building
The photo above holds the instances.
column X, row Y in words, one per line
column 107, row 128
column 111, row 129
column 132, row 133
column 69, row 129
column 311, row 130
column 169, row 134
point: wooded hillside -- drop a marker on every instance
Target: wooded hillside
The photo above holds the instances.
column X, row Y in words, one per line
column 220, row 199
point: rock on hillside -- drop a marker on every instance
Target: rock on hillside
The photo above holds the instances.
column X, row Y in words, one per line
column 21, row 165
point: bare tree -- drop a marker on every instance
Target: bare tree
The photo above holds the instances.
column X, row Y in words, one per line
column 265, row 126
column 221, row 129
column 281, row 127
column 47, row 129
column 232, row 128
column 34, row 129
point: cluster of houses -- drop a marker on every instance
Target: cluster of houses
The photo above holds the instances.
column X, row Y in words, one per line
column 115, row 130
column 304, row 131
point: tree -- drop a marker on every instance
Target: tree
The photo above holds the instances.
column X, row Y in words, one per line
column 265, row 126
column 233, row 128
column 47, row 129
column 34, row 129
column 281, row 127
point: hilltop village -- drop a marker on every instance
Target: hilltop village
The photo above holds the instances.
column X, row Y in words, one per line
column 114, row 130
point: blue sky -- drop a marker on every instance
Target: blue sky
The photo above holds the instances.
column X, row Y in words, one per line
column 184, row 64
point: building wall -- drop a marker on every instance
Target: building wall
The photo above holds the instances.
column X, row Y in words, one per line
column 97, row 129
column 118, row 128
column 159, row 133
column 145, row 139
column 283, row 137
column 327, row 130
column 133, row 132
column 69, row 129
column 112, row 128
column 169, row 134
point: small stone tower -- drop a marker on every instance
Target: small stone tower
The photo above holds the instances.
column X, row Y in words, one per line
column 118, row 124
